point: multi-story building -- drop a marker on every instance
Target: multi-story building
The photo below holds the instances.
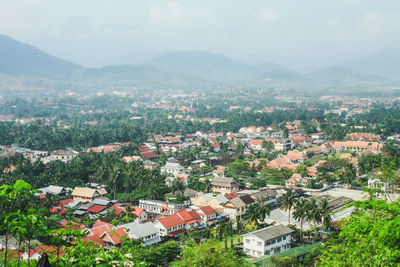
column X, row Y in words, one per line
column 267, row 241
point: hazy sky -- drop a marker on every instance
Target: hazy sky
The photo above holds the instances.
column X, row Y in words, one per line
column 306, row 32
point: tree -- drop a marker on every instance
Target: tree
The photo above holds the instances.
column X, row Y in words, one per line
column 211, row 253
column 325, row 213
column 207, row 185
column 300, row 213
column 287, row 201
column 177, row 186
column 370, row 236
column 313, row 212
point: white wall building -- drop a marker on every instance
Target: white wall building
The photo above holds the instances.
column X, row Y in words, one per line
column 267, row 241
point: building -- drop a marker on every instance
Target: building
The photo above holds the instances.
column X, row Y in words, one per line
column 160, row 207
column 236, row 207
column 85, row 194
column 267, row 241
column 146, row 232
column 173, row 168
column 223, row 185
column 208, row 199
column 283, row 144
column 65, row 156
column 170, row 226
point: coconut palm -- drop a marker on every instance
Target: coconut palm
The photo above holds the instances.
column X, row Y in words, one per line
column 207, row 185
column 177, row 186
column 263, row 209
column 287, row 201
column 313, row 212
column 300, row 213
column 325, row 213
column 253, row 214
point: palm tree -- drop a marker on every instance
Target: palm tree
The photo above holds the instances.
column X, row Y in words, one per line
column 253, row 214
column 127, row 215
column 287, row 201
column 300, row 213
column 177, row 186
column 207, row 186
column 325, row 213
column 313, row 212
column 263, row 209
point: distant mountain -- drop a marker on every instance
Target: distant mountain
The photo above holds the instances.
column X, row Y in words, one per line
column 25, row 67
column 338, row 77
column 210, row 66
column 385, row 63
column 139, row 75
column 19, row 59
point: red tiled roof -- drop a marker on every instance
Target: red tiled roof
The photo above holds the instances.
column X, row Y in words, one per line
column 207, row 210
column 231, row 195
column 149, row 155
column 96, row 209
column 95, row 239
column 115, row 235
column 65, row 202
column 99, row 223
column 171, row 221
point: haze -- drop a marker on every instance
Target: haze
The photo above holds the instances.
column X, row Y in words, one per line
column 299, row 34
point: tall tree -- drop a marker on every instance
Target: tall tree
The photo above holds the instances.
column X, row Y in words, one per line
column 300, row 213
column 287, row 201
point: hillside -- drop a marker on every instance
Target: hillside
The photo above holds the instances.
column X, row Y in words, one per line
column 385, row 63
column 19, row 59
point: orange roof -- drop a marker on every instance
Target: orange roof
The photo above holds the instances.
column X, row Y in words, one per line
column 114, row 236
column 207, row 210
column 171, row 221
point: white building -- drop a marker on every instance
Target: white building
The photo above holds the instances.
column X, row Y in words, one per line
column 173, row 168
column 267, row 241
column 147, row 232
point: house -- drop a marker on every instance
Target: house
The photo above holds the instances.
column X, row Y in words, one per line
column 236, row 207
column 63, row 155
column 266, row 196
column 160, row 207
column 224, row 185
column 146, row 232
column 54, row 190
column 171, row 226
column 357, row 146
column 318, row 136
column 85, row 194
column 209, row 200
column 191, row 218
column 173, row 168
column 296, row 180
column 99, row 228
column 283, row 144
column 141, row 214
column 207, row 213
column 363, row 137
column 219, row 172
column 114, row 237
column 267, row 241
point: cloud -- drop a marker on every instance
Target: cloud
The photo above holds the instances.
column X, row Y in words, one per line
column 374, row 24
column 268, row 15
column 172, row 12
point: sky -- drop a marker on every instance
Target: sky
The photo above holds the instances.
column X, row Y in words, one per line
column 299, row 34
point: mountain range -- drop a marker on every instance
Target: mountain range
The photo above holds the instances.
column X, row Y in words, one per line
column 23, row 67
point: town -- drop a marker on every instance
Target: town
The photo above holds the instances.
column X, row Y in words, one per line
column 272, row 189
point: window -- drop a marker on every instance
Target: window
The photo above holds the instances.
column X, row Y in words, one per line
column 259, row 243
column 279, row 239
column 247, row 241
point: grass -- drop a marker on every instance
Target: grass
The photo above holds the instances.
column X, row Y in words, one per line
column 235, row 240
column 296, row 251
